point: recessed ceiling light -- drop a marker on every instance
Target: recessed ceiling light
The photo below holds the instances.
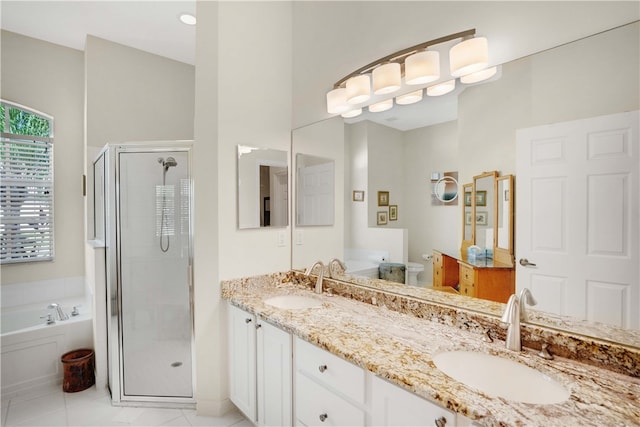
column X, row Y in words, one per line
column 187, row 18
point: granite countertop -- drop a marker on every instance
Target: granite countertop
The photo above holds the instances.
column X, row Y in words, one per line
column 400, row 347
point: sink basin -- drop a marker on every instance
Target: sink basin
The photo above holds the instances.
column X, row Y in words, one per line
column 499, row 377
column 293, row 302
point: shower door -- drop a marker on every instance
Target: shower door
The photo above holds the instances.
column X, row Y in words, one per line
column 154, row 251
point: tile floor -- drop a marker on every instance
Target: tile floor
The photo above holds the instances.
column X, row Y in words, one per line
column 51, row 407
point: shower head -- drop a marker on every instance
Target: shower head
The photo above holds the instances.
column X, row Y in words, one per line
column 168, row 162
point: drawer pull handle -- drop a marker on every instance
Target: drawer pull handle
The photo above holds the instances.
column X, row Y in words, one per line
column 322, row 368
column 441, row 422
column 258, row 326
column 323, row 417
column 247, row 320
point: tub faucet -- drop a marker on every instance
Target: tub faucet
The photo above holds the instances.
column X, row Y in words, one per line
column 336, row 264
column 525, row 297
column 320, row 276
column 61, row 314
column 511, row 317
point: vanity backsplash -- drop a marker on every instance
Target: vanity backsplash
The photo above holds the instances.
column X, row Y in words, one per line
column 610, row 356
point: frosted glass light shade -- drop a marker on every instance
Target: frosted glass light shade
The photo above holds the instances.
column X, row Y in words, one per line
column 422, row 67
column 385, row 105
column 441, row 88
column 352, row 113
column 409, row 98
column 358, row 89
column 479, row 76
column 337, row 101
column 469, row 56
column 387, row 78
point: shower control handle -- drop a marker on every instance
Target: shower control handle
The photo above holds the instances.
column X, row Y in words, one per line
column 247, row 320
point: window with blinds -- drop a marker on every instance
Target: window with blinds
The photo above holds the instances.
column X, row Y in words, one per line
column 26, row 184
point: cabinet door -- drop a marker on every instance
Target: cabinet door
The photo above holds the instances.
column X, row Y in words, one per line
column 393, row 406
column 274, row 376
column 242, row 361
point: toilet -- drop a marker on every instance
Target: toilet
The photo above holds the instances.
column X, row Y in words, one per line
column 413, row 269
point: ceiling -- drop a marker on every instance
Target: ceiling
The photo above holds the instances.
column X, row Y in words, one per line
column 152, row 26
column 514, row 29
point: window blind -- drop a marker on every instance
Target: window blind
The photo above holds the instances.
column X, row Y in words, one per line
column 26, row 198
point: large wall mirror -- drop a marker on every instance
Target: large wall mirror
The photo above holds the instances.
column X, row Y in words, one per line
column 481, row 136
column 263, row 187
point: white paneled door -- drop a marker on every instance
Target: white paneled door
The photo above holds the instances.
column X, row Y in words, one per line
column 577, row 218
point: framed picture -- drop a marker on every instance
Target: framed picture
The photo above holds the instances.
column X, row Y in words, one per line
column 358, row 195
column 481, row 198
column 382, row 217
column 393, row 212
column 383, row 198
column 481, row 217
column 467, row 198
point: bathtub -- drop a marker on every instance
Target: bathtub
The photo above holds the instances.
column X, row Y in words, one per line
column 31, row 349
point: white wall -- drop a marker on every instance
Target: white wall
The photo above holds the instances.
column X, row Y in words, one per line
column 49, row 78
column 386, row 172
column 239, row 100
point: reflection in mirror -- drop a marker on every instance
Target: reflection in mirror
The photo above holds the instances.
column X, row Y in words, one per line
column 445, row 187
column 483, row 139
column 484, row 197
column 467, row 229
column 263, row 176
column 314, row 190
column 504, row 229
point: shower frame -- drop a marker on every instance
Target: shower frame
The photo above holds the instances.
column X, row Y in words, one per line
column 114, row 333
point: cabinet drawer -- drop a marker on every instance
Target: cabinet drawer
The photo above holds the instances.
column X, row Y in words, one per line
column 330, row 370
column 317, row 406
column 437, row 260
column 467, row 289
column 466, row 274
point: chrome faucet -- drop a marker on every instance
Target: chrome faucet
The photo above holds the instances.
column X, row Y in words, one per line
column 525, row 296
column 61, row 314
column 333, row 264
column 511, row 317
column 320, row 276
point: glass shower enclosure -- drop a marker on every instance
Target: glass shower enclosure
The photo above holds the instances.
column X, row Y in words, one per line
column 145, row 207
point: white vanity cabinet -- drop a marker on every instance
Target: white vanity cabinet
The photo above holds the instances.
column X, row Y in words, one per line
column 260, row 369
column 329, row 390
column 393, row 406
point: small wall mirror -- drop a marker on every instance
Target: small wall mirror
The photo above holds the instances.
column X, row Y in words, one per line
column 314, row 190
column 484, row 203
column 263, row 187
column 504, row 222
column 445, row 187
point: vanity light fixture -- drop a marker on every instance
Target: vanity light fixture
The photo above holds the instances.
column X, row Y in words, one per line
column 419, row 65
column 381, row 106
column 469, row 56
column 422, row 67
column 386, row 78
column 352, row 113
column 479, row 76
column 441, row 88
column 409, row 98
column 187, row 18
column 358, row 89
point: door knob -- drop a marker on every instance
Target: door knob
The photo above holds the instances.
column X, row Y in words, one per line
column 525, row 263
